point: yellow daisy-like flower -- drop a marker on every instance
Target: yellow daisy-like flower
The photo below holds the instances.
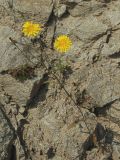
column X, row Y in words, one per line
column 62, row 44
column 31, row 29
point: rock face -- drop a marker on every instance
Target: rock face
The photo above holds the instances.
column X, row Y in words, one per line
column 41, row 9
column 20, row 93
column 60, row 106
column 6, row 135
column 9, row 52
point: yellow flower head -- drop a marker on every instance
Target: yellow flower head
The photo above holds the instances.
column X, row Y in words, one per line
column 62, row 44
column 31, row 29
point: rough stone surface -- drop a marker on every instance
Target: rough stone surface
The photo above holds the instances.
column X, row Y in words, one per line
column 20, row 93
column 9, row 52
column 77, row 115
column 6, row 135
column 86, row 8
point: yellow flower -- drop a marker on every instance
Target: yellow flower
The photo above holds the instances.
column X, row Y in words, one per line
column 62, row 44
column 31, row 29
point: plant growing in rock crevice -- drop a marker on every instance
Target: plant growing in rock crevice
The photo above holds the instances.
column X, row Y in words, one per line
column 62, row 44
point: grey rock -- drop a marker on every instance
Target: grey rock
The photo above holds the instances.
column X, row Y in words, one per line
column 68, row 25
column 21, row 93
column 106, row 51
column 114, row 42
column 64, row 138
column 102, row 83
column 55, row 128
column 85, row 9
column 90, row 29
column 7, row 135
column 97, row 155
column 8, row 51
column 40, row 8
column 113, row 17
column 116, row 152
column 76, row 1
column 114, row 110
column 60, row 11
column 19, row 54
